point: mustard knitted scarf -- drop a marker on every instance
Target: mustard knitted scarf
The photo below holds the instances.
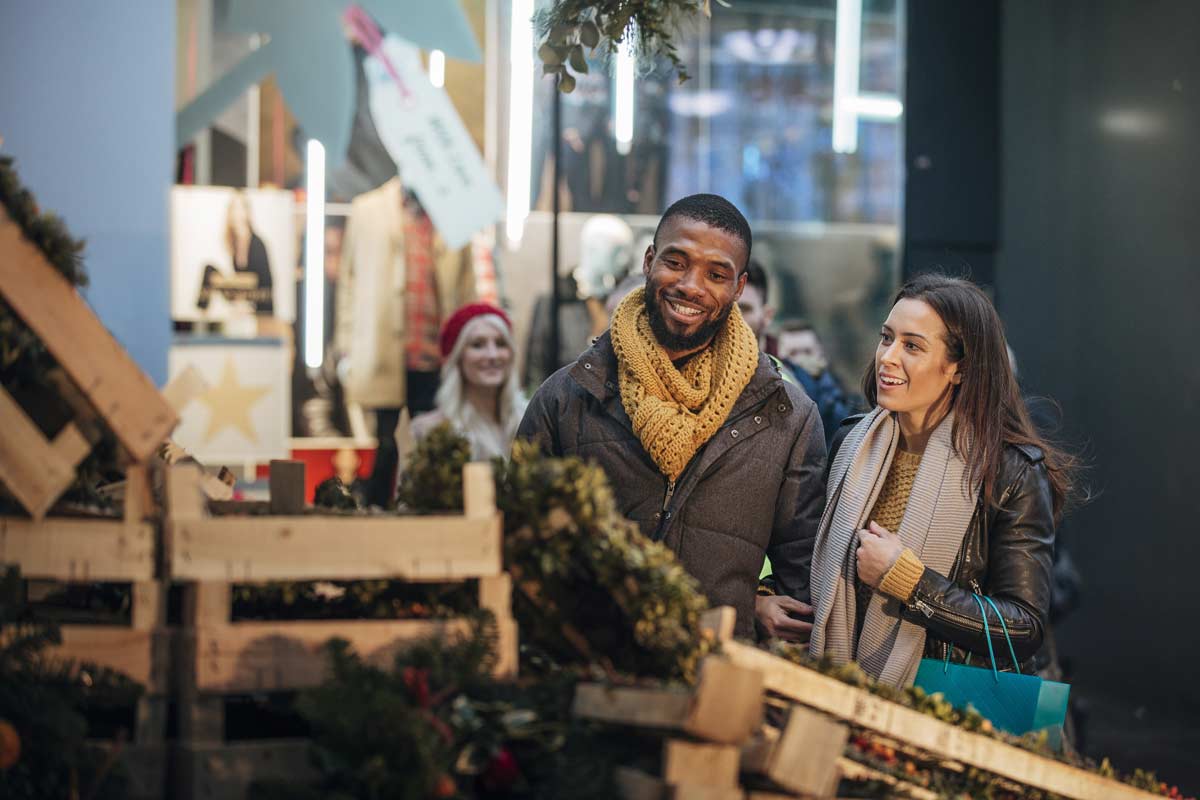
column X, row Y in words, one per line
column 674, row 412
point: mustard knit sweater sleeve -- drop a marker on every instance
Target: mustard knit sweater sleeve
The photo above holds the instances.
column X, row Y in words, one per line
column 902, row 578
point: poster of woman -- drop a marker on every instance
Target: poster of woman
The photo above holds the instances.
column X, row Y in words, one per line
column 233, row 253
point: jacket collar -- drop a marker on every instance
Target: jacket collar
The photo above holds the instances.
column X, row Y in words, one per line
column 596, row 372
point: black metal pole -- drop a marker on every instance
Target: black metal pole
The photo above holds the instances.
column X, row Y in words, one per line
column 552, row 364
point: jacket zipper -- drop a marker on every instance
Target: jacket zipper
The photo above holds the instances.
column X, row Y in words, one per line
column 667, row 497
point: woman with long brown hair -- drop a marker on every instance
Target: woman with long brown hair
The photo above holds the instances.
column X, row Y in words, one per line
column 942, row 492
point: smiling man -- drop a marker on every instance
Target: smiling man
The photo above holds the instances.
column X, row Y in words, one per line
column 707, row 448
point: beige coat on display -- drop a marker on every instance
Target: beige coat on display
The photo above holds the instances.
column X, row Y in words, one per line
column 370, row 328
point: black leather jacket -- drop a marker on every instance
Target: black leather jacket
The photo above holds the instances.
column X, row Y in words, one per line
column 1005, row 555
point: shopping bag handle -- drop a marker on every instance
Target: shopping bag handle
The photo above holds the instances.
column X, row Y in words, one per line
column 987, row 634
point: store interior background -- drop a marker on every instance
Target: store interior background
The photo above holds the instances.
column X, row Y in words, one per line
column 1046, row 146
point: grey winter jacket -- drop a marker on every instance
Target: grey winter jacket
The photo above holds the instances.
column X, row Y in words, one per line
column 757, row 486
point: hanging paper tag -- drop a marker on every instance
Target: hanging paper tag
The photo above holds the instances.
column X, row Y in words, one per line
column 426, row 138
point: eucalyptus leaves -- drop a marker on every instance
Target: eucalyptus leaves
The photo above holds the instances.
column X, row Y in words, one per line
column 569, row 26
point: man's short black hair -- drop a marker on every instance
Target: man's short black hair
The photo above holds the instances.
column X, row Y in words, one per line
column 712, row 210
column 756, row 276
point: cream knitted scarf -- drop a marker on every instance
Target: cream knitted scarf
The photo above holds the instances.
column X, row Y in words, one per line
column 675, row 411
column 940, row 507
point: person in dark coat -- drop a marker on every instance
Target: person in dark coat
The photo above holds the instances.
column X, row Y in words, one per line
column 707, row 448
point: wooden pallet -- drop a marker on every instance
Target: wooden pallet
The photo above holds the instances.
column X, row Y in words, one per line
column 73, row 550
column 218, row 657
column 101, row 381
column 932, row 736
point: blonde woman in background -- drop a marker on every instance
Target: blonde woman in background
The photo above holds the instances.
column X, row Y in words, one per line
column 478, row 395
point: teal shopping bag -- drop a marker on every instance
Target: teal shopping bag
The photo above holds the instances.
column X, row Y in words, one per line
column 1013, row 702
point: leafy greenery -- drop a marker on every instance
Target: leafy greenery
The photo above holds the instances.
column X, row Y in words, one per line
column 437, row 725
column 46, row 231
column 432, row 479
column 569, row 26
column 593, row 588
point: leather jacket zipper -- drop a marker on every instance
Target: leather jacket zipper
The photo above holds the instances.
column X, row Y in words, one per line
column 667, row 497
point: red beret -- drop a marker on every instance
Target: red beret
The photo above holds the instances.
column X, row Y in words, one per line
column 459, row 319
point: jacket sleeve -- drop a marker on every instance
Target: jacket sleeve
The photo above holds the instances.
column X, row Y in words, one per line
column 1020, row 552
column 798, row 510
column 540, row 423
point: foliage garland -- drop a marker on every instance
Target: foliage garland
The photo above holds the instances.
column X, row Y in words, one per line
column 569, row 26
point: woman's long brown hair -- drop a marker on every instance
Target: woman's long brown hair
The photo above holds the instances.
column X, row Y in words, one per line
column 989, row 411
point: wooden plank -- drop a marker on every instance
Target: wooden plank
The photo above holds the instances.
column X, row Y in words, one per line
column 184, row 388
column 184, row 496
column 137, row 501
column 719, row 622
column 70, row 445
column 854, row 771
column 495, row 594
column 861, row 708
column 726, row 705
column 148, row 605
column 33, row 469
column 427, row 548
column 286, row 482
column 225, row 771
column 700, row 763
column 123, row 395
column 479, row 490
column 141, row 655
column 634, row 784
column 78, row 549
column 275, row 656
column 801, row 757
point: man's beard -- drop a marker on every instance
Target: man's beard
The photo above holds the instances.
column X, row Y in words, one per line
column 675, row 342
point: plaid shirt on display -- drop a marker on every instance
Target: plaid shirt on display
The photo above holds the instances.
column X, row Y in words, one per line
column 422, row 318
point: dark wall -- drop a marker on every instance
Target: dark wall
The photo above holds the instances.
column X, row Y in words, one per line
column 952, row 137
column 1098, row 282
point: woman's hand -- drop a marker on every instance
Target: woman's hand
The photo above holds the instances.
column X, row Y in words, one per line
column 878, row 549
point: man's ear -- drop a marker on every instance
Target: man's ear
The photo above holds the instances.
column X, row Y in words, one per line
column 647, row 260
column 741, row 284
column 768, row 316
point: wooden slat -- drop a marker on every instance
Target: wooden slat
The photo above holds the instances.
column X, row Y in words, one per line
column 854, row 771
column 719, row 622
column 801, row 757
column 36, row 471
column 140, row 654
column 495, row 594
column 861, row 708
column 78, row 549
column 429, row 548
column 123, row 395
column 726, row 705
column 276, row 656
column 479, row 490
column 713, row 765
column 634, row 784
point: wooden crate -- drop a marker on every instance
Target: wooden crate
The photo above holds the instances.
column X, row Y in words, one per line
column 218, row 657
column 101, row 380
column 724, row 707
column 73, row 550
column 938, row 739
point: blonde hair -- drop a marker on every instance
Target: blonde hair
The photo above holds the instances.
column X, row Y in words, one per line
column 487, row 440
column 230, row 235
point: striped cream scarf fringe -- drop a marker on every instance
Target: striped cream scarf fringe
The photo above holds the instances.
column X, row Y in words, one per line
column 940, row 508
